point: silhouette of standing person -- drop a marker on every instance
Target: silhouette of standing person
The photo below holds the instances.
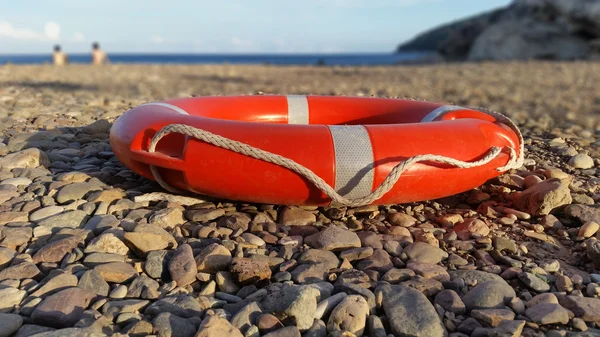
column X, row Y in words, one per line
column 98, row 55
column 59, row 58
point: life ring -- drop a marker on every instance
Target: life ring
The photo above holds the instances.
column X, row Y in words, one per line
column 315, row 150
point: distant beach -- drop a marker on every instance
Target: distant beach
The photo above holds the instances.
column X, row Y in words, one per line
column 275, row 59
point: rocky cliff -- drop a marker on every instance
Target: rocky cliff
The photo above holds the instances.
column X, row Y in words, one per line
column 526, row 29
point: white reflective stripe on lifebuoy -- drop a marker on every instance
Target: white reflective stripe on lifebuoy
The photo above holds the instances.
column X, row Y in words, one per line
column 167, row 105
column 430, row 117
column 354, row 164
column 297, row 109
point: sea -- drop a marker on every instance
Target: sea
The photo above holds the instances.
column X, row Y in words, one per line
column 274, row 59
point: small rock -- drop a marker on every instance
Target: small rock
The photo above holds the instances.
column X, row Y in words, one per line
column 493, row 294
column 213, row 258
column 20, row 271
column 493, row 317
column 581, row 161
column 534, row 282
column 9, row 324
column 548, row 313
column 401, row 219
column 249, row 271
column 350, row 315
column 216, row 326
column 29, row 158
column 182, row 266
column 107, row 243
column 45, row 212
column 450, row 301
column 333, row 238
column 267, row 323
column 293, row 302
column 288, row 331
column 585, row 308
column 168, row 325
column 410, row 312
column 544, row 197
column 588, row 229
column 117, row 272
column 92, row 280
column 471, row 227
column 246, row 317
column 11, row 297
column 119, row 292
column 62, row 309
column 295, row 216
column 423, row 252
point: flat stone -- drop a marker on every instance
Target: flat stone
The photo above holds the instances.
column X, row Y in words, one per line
column 423, row 252
column 349, row 315
column 216, row 326
column 583, row 213
column 333, row 238
column 23, row 270
column 29, row 158
column 493, row 317
column 9, row 324
column 184, row 306
column 71, row 219
column 450, row 301
column 6, row 256
column 542, row 198
column 182, row 266
column 401, row 219
column 55, row 251
column 62, row 309
column 249, row 271
column 489, row 295
column 379, row 261
column 45, row 212
column 298, row 303
column 295, row 216
column 395, row 276
column 226, row 282
column 588, row 229
column 16, row 181
column 144, row 242
column 429, row 270
column 8, row 217
column 471, row 227
column 505, row 244
column 55, row 284
column 253, row 239
column 169, row 325
column 410, row 312
column 585, row 308
column 474, row 276
column 75, row 191
column 117, row 307
column 116, row 272
column 143, row 287
column 95, row 259
column 534, row 282
column 235, row 221
column 93, row 281
column 11, row 297
column 107, row 243
column 548, row 313
column 167, row 218
column 157, row 263
column 204, row 215
column 213, row 258
column 288, row 331
column 354, row 254
column 247, row 317
column 119, row 292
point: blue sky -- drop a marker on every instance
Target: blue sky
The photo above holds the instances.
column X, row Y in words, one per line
column 226, row 26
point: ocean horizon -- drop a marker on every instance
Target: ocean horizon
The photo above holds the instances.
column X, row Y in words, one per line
column 348, row 59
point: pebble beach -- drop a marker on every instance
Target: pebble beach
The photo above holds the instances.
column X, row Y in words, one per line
column 89, row 248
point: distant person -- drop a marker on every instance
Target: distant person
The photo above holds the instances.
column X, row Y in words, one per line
column 59, row 58
column 98, row 55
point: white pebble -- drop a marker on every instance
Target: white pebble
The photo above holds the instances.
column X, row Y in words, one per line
column 16, row 181
column 581, row 161
column 588, row 229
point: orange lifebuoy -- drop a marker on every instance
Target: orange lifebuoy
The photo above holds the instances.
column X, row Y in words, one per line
column 349, row 143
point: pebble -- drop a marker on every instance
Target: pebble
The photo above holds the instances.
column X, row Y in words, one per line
column 548, row 313
column 11, row 297
column 588, row 229
column 423, row 252
column 16, row 181
column 62, row 309
column 213, row 258
column 295, row 216
column 9, row 324
column 410, row 313
column 491, row 294
column 349, row 315
column 182, row 266
column 119, row 292
column 534, row 282
column 333, row 238
column 581, row 161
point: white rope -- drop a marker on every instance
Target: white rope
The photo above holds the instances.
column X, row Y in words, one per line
column 389, row 182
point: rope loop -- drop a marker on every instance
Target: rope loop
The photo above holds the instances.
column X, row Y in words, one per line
column 515, row 161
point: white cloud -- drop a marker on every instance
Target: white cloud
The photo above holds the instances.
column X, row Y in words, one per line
column 52, row 30
column 79, row 37
column 8, row 30
column 237, row 42
column 157, row 39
